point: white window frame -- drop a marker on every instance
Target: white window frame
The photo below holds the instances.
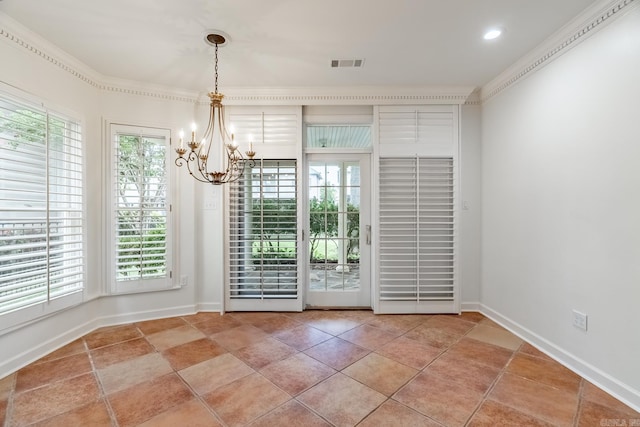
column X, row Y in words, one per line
column 141, row 284
column 52, row 304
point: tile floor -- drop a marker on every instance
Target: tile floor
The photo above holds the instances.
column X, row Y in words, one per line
column 315, row 368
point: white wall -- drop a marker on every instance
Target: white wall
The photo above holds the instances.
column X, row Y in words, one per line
column 561, row 206
column 470, row 226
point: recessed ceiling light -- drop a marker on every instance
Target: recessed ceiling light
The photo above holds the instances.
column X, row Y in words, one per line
column 492, row 34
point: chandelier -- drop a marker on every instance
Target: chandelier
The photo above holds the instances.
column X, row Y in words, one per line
column 196, row 157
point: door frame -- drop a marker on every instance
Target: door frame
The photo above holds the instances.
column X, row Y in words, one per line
column 366, row 243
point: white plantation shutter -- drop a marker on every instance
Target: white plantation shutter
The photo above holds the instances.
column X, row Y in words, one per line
column 270, row 128
column 263, row 218
column 41, row 210
column 417, row 234
column 426, row 130
column 140, row 210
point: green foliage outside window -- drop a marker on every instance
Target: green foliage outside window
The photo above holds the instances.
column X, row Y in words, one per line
column 275, row 236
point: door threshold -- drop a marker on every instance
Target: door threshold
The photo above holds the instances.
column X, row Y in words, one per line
column 327, row 308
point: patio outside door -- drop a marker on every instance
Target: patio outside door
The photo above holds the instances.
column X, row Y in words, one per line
column 338, row 232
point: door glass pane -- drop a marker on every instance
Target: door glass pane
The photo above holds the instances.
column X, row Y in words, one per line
column 334, row 224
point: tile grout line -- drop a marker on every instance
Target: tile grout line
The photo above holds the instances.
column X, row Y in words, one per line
column 576, row 416
column 103, row 394
column 177, row 373
column 199, row 398
column 493, row 385
column 418, row 372
column 9, row 411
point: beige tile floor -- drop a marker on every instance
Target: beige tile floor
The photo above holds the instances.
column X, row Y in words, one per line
column 315, row 368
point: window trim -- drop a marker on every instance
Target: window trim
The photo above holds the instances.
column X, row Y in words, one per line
column 115, row 287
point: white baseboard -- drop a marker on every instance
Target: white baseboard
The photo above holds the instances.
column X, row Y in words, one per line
column 13, row 364
column 141, row 316
column 606, row 382
column 210, row 306
column 21, row 360
column 470, row 306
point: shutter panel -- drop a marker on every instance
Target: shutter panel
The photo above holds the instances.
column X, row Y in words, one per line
column 398, row 229
column 66, row 268
column 417, row 234
column 280, row 129
column 436, row 229
column 424, row 130
column 263, row 253
column 274, row 131
column 140, row 210
column 268, row 128
column 398, row 127
column 41, row 219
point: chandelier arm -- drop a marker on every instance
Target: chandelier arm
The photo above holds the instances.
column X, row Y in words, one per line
column 191, row 157
column 208, row 133
column 237, row 176
column 223, row 126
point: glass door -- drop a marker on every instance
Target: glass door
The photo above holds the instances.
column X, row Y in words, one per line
column 338, row 231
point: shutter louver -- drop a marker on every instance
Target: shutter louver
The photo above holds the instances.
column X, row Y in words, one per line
column 263, row 249
column 417, row 229
column 42, row 215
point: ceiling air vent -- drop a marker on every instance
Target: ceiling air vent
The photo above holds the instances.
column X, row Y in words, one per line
column 347, row 63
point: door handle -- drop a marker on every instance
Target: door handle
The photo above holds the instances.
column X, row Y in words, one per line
column 368, row 235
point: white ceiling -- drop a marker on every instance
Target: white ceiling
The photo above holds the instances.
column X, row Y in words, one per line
column 290, row 43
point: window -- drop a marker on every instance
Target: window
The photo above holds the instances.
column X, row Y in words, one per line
column 338, row 136
column 141, row 209
column 41, row 212
column 263, row 232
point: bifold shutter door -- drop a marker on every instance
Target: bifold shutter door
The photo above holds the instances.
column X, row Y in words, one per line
column 263, row 238
column 417, row 229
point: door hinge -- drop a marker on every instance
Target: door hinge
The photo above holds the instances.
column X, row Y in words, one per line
column 171, row 275
column 303, row 235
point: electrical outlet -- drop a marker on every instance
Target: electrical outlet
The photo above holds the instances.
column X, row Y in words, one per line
column 579, row 320
column 184, row 281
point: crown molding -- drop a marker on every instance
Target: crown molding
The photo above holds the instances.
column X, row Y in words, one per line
column 569, row 36
column 361, row 95
column 130, row 87
column 16, row 34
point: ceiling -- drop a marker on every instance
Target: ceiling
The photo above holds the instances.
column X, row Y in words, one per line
column 290, row 43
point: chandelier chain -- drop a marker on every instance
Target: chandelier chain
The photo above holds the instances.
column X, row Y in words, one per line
column 216, row 86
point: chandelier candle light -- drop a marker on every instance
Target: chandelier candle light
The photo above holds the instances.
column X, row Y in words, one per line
column 196, row 157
